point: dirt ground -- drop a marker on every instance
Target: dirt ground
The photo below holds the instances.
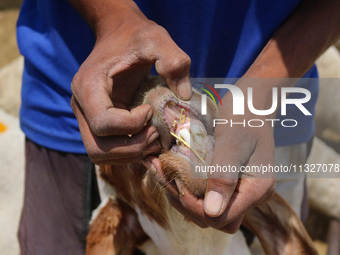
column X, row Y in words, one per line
column 9, row 10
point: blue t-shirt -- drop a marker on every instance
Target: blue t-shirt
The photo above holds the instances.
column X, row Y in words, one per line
column 222, row 37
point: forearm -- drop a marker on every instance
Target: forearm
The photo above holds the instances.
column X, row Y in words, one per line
column 106, row 16
column 307, row 33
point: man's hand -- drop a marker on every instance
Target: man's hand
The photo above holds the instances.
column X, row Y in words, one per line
column 127, row 45
column 228, row 197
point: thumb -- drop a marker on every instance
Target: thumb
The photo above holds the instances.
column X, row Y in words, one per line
column 218, row 195
column 223, row 180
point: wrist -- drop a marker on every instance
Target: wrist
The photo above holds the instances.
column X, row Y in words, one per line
column 106, row 17
column 122, row 18
column 269, row 63
column 262, row 95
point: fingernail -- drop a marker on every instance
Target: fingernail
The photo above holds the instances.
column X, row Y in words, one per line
column 152, row 148
column 152, row 169
column 148, row 117
column 184, row 89
column 147, row 163
column 153, row 137
column 213, row 203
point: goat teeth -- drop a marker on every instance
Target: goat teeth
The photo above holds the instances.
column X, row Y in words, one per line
column 195, row 129
column 198, row 129
column 185, row 134
column 182, row 116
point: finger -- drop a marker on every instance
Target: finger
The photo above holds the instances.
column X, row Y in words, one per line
column 189, row 205
column 171, row 63
column 176, row 203
column 186, row 203
column 218, row 195
column 233, row 226
column 115, row 148
column 221, row 185
column 149, row 163
column 153, row 164
column 253, row 189
column 251, row 192
column 121, row 149
column 129, row 158
column 174, row 70
column 230, row 228
column 102, row 116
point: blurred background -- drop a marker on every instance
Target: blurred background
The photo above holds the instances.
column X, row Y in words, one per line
column 324, row 193
column 9, row 10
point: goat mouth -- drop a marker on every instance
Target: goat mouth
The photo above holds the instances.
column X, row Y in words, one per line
column 189, row 135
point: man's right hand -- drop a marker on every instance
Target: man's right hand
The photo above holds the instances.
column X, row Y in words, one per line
column 127, row 45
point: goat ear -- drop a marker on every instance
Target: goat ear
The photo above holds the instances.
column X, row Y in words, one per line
column 115, row 230
column 279, row 229
column 100, row 239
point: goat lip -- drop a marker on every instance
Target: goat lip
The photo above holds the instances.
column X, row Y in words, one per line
column 171, row 109
column 178, row 118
